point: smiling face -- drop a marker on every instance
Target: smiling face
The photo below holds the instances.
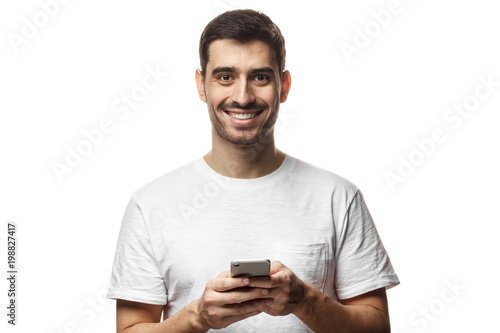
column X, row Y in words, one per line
column 243, row 88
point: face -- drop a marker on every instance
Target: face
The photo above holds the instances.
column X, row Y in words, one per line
column 243, row 89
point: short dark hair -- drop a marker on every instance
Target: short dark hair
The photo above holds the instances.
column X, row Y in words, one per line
column 243, row 25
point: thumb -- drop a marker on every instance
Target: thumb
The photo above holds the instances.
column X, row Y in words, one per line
column 276, row 266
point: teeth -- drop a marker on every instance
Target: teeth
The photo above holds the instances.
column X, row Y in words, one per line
column 243, row 115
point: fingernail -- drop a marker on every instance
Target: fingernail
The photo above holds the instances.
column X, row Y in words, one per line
column 246, row 282
column 265, row 292
column 269, row 303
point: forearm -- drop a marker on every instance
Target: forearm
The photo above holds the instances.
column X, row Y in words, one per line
column 182, row 321
column 322, row 314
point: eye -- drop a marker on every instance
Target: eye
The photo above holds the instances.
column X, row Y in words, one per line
column 224, row 77
column 261, row 78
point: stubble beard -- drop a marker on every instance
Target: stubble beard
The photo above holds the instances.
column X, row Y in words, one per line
column 243, row 140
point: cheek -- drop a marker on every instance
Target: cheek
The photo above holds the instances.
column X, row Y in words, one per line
column 270, row 96
column 212, row 102
column 217, row 95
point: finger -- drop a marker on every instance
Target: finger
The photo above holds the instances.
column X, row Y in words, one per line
column 241, row 295
column 276, row 296
column 221, row 284
column 239, row 309
column 267, row 282
column 276, row 266
column 225, row 274
column 247, row 307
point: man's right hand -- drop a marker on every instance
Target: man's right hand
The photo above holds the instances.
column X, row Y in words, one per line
column 227, row 300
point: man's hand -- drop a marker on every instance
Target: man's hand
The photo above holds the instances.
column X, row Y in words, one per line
column 364, row 313
column 286, row 290
column 227, row 300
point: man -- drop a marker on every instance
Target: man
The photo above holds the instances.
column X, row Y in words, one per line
column 247, row 199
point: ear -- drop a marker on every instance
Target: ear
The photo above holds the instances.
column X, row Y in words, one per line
column 286, row 83
column 200, row 85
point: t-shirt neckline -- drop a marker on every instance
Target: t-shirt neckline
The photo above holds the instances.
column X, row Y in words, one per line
column 274, row 176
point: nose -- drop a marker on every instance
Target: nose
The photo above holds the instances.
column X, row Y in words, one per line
column 243, row 93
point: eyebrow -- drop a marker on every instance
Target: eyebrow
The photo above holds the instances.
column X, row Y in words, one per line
column 226, row 69
column 262, row 70
column 230, row 69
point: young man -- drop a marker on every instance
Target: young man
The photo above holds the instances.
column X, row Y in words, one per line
column 247, row 199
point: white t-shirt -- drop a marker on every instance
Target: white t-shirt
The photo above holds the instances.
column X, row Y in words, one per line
column 184, row 228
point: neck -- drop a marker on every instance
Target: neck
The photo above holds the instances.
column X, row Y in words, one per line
column 246, row 162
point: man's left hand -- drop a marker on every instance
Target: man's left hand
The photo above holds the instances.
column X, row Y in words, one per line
column 286, row 291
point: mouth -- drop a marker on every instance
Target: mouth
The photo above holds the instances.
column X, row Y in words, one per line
column 243, row 115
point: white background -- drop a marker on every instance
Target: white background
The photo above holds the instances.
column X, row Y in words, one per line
column 356, row 118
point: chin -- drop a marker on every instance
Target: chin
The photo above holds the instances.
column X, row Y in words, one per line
column 259, row 138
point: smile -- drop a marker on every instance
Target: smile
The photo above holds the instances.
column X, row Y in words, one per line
column 243, row 116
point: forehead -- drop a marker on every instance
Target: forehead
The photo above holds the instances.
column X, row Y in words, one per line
column 232, row 53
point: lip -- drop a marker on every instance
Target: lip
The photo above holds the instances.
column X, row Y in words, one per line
column 243, row 121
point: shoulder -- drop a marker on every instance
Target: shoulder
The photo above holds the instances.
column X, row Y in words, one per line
column 318, row 174
column 167, row 185
column 322, row 179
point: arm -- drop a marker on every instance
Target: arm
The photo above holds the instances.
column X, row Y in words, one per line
column 365, row 313
column 225, row 301
column 133, row 317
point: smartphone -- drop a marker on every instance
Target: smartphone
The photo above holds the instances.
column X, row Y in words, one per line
column 250, row 267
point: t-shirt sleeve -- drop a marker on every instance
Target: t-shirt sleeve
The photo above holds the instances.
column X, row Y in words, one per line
column 135, row 275
column 362, row 263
